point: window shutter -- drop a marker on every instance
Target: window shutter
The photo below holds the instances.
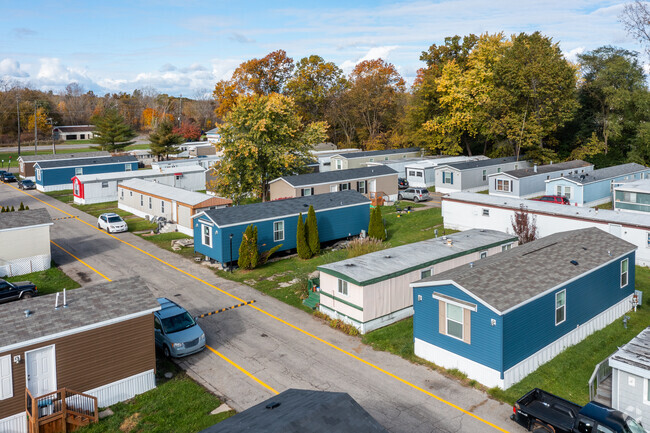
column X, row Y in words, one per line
column 511, row 186
column 452, row 177
column 442, row 317
column 312, row 190
column 302, row 192
column 365, row 188
column 467, row 325
column 6, row 384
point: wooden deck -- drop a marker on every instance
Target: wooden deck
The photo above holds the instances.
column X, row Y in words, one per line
column 604, row 394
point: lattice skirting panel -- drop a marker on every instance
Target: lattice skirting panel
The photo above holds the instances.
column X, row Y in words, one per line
column 25, row 265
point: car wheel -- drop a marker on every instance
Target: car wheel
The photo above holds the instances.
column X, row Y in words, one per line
column 26, row 296
column 166, row 352
column 415, row 199
column 98, row 226
column 399, row 197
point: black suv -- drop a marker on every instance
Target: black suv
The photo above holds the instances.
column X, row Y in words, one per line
column 12, row 291
column 7, row 177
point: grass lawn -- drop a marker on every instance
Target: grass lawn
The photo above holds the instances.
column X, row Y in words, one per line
column 164, row 241
column 608, row 205
column 49, row 281
column 567, row 375
column 177, row 405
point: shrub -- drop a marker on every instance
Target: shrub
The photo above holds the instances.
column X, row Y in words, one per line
column 361, row 246
column 311, row 231
column 301, row 240
column 376, row 228
column 264, row 257
column 248, row 254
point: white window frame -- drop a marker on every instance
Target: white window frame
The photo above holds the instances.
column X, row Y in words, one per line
column 150, row 203
column 334, row 188
column 339, row 164
column 276, row 231
column 122, row 193
column 206, row 230
column 486, row 212
column 646, row 388
column 506, row 247
column 306, row 192
column 342, row 287
column 104, row 184
column 162, row 206
column 6, row 376
column 38, row 174
column 462, row 322
column 141, row 200
column 127, row 167
column 346, row 185
column 567, row 192
column 484, row 175
column 562, row 306
column 424, row 271
column 445, row 178
column 558, row 190
column 78, row 171
column 361, row 186
column 626, row 273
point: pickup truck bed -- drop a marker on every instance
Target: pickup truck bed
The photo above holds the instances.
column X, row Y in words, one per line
column 552, row 409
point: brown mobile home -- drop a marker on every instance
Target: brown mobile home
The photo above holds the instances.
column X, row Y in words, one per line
column 100, row 344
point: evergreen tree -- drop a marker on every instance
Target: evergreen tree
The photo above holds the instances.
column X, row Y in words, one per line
column 301, row 240
column 21, row 207
column 248, row 245
column 26, row 207
column 2, row 209
column 311, row 231
column 112, row 132
column 12, row 209
column 376, row 227
column 163, row 139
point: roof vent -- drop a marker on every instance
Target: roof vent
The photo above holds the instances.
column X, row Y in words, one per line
column 450, row 242
column 574, row 263
column 471, row 264
column 387, row 256
column 272, row 405
column 349, row 264
column 609, row 253
column 27, row 313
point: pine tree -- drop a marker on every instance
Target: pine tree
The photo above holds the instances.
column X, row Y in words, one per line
column 21, row 207
column 253, row 251
column 13, row 209
column 2, row 209
column 311, row 231
column 163, row 139
column 301, row 240
column 112, row 131
column 26, row 207
column 376, row 227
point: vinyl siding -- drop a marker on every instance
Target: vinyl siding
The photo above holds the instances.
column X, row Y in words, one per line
column 386, row 184
column 26, row 242
column 64, row 175
column 485, row 345
column 91, row 359
column 628, row 392
column 585, row 299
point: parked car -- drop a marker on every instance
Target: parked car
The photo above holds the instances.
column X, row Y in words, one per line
column 20, row 290
column 402, row 183
column 415, row 194
column 112, row 223
column 177, row 333
column 553, row 199
column 541, row 411
column 26, row 184
column 7, row 177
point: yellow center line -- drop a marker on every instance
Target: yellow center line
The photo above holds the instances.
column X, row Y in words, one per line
column 440, row 399
column 222, row 356
column 81, row 260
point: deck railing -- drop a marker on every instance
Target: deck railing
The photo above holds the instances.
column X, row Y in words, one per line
column 601, row 372
column 62, row 410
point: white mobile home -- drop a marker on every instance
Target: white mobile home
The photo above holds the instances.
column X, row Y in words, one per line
column 372, row 290
column 463, row 211
column 531, row 182
column 472, row 176
column 633, row 196
column 25, row 238
column 100, row 188
column 204, row 161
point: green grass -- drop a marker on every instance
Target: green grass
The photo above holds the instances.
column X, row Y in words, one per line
column 608, row 205
column 567, row 375
column 164, row 241
column 64, row 195
column 49, row 281
column 178, row 405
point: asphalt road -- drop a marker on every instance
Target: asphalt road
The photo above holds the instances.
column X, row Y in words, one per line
column 268, row 347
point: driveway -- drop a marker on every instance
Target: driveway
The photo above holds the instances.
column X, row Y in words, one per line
column 268, row 347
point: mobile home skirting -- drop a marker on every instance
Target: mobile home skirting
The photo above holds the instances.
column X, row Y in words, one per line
column 491, row 378
column 14, row 423
column 49, row 188
column 182, row 229
column 25, row 265
column 370, row 325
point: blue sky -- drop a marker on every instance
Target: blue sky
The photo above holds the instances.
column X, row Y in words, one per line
column 183, row 47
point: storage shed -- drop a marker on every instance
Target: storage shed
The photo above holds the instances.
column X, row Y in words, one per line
column 149, row 199
column 595, row 187
column 25, row 241
column 503, row 317
column 530, row 182
column 73, row 132
column 633, row 196
column 99, row 188
column 26, row 162
column 57, row 175
column 473, row 175
column 372, row 290
column 345, row 161
column 100, row 344
column 365, row 180
column 631, row 377
column 339, row 215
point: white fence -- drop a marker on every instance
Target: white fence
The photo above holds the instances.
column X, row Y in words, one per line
column 25, row 265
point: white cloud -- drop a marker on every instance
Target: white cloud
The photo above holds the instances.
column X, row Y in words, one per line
column 11, row 68
column 372, row 54
column 573, row 54
column 53, row 74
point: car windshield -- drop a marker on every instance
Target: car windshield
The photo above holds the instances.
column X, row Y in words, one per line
column 425, row 191
column 177, row 323
column 27, row 182
column 633, row 426
column 114, row 219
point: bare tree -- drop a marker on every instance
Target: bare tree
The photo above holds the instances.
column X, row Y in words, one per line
column 636, row 20
column 524, row 226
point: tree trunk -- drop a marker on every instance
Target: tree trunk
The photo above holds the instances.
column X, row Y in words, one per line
column 464, row 139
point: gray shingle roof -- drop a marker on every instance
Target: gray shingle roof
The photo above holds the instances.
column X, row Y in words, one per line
column 512, row 277
column 384, row 264
column 607, row 173
column 368, row 153
column 291, row 206
column 484, row 163
column 34, row 158
column 178, row 194
column 550, row 168
column 338, row 175
column 86, row 306
column 24, row 218
column 75, row 128
column 86, row 161
column 300, row 411
column 636, row 352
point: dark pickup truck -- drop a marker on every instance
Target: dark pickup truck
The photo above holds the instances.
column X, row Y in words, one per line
column 543, row 412
column 12, row 291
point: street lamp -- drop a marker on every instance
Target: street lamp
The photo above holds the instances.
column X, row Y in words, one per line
column 231, row 253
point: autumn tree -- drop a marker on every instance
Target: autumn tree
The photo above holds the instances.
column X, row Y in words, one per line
column 189, row 131
column 254, row 77
column 41, row 121
column 524, row 225
column 263, row 138
column 112, row 133
column 163, row 139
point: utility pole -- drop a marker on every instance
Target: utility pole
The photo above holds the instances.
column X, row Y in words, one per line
column 180, row 114
column 18, row 111
column 50, row 122
column 35, row 128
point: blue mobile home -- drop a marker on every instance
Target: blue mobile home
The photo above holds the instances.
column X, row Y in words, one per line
column 339, row 215
column 500, row 318
column 57, row 174
column 594, row 188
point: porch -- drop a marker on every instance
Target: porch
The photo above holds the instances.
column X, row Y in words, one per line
column 600, row 383
column 60, row 411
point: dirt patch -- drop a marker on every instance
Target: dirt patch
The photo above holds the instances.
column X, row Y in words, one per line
column 83, row 277
column 130, row 423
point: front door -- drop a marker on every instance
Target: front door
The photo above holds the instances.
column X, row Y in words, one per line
column 372, row 185
column 615, row 229
column 40, row 369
